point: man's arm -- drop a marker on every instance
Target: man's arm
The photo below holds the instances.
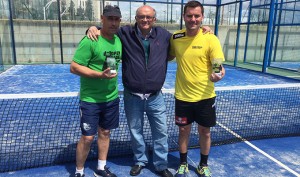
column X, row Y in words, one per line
column 84, row 71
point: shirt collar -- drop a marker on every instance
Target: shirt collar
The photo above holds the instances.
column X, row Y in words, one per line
column 141, row 35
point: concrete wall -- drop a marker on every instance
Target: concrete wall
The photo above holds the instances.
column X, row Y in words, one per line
column 38, row 41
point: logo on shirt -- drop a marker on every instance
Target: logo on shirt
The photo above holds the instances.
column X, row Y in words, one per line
column 178, row 35
column 180, row 120
column 114, row 54
column 196, row 47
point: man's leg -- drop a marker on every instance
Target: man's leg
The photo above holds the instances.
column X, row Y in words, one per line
column 183, row 141
column 207, row 118
column 82, row 150
column 156, row 113
column 103, row 146
column 205, row 143
column 184, row 136
column 184, row 115
column 134, row 110
column 109, row 119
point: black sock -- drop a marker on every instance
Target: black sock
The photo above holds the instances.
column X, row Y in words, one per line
column 204, row 159
column 183, row 158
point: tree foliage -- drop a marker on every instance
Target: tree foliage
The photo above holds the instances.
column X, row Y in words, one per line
column 80, row 13
column 89, row 10
column 72, row 10
column 35, row 9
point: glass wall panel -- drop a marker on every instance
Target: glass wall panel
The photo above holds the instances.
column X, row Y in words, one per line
column 163, row 1
column 209, row 2
column 77, row 16
column 209, row 15
column 245, row 12
column 128, row 10
column 174, row 13
column 204, row 2
column 289, row 13
column 228, row 1
column 260, row 2
column 229, row 14
column 162, row 12
column 241, row 46
column 176, row 1
column 256, row 44
column 36, row 31
column 6, row 56
column 286, row 48
column 260, row 14
column 228, row 30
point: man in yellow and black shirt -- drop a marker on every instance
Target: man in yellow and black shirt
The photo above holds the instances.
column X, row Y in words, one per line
column 199, row 59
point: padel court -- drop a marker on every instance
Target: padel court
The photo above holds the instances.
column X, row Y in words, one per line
column 257, row 132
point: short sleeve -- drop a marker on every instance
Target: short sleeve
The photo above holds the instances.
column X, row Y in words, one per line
column 84, row 52
column 215, row 48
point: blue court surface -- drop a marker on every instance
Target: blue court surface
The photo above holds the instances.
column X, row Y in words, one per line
column 57, row 78
column 278, row 156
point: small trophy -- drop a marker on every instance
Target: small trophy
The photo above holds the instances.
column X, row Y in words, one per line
column 111, row 63
column 216, row 66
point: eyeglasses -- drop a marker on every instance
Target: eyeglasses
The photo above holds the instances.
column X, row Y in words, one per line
column 142, row 17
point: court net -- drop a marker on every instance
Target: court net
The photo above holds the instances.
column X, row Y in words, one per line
column 43, row 129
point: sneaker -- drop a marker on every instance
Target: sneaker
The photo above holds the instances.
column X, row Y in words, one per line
column 79, row 175
column 104, row 173
column 182, row 171
column 203, row 171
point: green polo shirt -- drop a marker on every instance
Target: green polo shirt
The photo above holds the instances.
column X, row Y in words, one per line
column 93, row 54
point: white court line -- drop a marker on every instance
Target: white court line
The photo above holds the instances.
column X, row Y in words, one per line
column 259, row 150
column 38, row 95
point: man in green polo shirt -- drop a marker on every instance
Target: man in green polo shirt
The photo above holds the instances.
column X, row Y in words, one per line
column 99, row 99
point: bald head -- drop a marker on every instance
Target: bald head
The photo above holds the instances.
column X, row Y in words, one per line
column 146, row 8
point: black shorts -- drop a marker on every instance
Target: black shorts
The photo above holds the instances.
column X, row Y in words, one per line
column 203, row 112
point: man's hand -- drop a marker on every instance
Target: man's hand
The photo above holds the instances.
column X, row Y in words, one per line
column 206, row 29
column 107, row 75
column 93, row 33
column 215, row 77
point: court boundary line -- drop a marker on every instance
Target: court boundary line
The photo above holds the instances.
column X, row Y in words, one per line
column 259, row 150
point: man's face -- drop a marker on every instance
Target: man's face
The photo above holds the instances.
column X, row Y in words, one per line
column 193, row 18
column 145, row 18
column 111, row 24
